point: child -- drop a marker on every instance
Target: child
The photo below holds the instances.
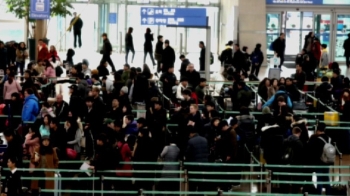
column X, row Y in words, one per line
column 12, row 185
column 324, row 57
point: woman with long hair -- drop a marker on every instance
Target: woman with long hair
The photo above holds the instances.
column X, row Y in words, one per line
column 49, row 71
column 44, row 128
column 257, row 58
column 148, row 47
column 74, row 134
column 146, row 71
column 11, row 86
column 31, row 142
column 52, row 52
column 21, row 55
column 264, row 88
column 273, row 88
column 44, row 157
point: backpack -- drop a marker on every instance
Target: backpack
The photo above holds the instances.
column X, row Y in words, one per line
column 288, row 155
column 211, row 58
column 328, row 154
column 271, row 47
column 255, row 58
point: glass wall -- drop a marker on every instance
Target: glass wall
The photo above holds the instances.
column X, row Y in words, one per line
column 343, row 29
column 14, row 30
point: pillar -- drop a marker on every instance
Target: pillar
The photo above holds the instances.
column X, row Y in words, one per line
column 252, row 24
column 228, row 22
column 40, row 32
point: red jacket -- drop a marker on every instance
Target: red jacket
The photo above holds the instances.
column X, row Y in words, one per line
column 43, row 53
column 52, row 53
column 316, row 50
column 126, row 157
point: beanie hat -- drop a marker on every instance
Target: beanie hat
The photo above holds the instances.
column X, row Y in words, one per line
column 86, row 62
column 124, row 89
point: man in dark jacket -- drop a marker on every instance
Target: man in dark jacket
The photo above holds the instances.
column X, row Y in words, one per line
column 244, row 96
column 159, row 52
column 3, row 56
column 346, row 47
column 314, row 152
column 14, row 148
column 226, row 56
column 58, row 138
column 102, row 70
column 76, row 104
column 61, row 108
column 77, row 24
column 184, row 63
column 299, row 77
column 279, row 46
column 239, row 60
column 202, row 56
column 197, row 152
column 141, row 85
column 168, row 57
column 300, row 57
column 107, row 51
column 169, row 81
column 292, row 90
column 324, row 91
column 193, row 77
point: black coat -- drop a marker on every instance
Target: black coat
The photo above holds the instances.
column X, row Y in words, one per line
column 148, row 42
column 300, row 78
column 107, row 47
column 14, row 149
column 61, row 110
column 102, row 71
column 141, row 86
column 59, row 140
column 76, row 105
column 226, row 56
column 3, row 57
column 168, row 58
column 239, row 59
column 297, row 146
column 183, row 68
column 315, row 149
column 12, row 184
column 279, row 46
column 346, row 47
column 159, row 48
column 202, row 59
column 197, row 149
column 272, row 143
column 129, row 41
column 77, row 25
column 193, row 78
column 167, row 86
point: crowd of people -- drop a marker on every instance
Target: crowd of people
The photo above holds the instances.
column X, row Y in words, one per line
column 101, row 127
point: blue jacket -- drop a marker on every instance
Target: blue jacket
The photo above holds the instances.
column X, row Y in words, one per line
column 131, row 129
column 30, row 108
column 272, row 99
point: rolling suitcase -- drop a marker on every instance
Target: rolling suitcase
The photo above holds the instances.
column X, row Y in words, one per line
column 274, row 73
column 58, row 184
column 339, row 189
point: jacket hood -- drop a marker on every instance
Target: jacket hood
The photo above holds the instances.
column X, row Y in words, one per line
column 299, row 122
column 269, row 127
column 32, row 96
column 292, row 138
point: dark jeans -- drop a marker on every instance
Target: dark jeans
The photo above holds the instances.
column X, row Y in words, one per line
column 107, row 58
column 323, row 178
column 256, row 69
column 151, row 54
column 20, row 66
column 77, row 34
column 127, row 50
column 282, row 60
column 347, row 61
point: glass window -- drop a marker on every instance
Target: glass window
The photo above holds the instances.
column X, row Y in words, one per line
column 343, row 29
column 272, row 29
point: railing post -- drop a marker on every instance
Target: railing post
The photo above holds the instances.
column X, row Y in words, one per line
column 220, row 193
column 102, row 187
column 181, row 43
column 186, row 181
column 261, row 175
column 93, row 182
column 268, row 182
column 251, row 170
column 306, row 194
column 120, row 42
column 180, row 174
column 140, row 192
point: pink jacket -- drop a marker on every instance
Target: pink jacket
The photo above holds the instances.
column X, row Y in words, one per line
column 14, row 87
column 50, row 72
column 31, row 144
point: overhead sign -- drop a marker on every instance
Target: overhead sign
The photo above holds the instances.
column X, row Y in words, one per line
column 39, row 9
column 309, row 2
column 112, row 18
column 191, row 17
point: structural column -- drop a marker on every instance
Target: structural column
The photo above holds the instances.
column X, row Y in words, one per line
column 252, row 24
column 228, row 22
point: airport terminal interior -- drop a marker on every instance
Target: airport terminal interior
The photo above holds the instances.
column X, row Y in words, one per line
column 174, row 97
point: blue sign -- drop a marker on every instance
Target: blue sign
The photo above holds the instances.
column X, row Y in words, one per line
column 112, row 18
column 299, row 2
column 185, row 17
column 39, row 9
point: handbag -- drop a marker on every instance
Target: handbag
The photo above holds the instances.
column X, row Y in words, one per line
column 71, row 153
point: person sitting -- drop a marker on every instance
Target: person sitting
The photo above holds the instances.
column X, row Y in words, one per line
column 337, row 83
column 324, row 91
column 292, row 90
column 193, row 76
column 181, row 87
column 299, row 77
column 200, row 90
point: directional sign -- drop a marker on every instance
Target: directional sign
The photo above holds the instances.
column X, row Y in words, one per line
column 39, row 9
column 304, row 2
column 194, row 17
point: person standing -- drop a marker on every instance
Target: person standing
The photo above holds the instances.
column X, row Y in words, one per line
column 257, row 58
column 12, row 184
column 279, row 46
column 77, row 24
column 129, row 45
column 159, row 52
column 3, row 56
column 43, row 51
column 346, row 47
column 168, row 57
column 21, row 55
column 202, row 56
column 148, row 47
column 31, row 106
column 107, row 51
column 238, row 60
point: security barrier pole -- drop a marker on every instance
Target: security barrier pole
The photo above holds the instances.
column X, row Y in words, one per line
column 180, row 169
column 186, row 181
column 120, row 42
column 140, row 192
column 251, row 170
column 220, row 193
column 93, row 182
column 207, row 54
column 181, row 43
column 268, row 182
column 306, row 194
column 261, row 176
column 102, row 187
